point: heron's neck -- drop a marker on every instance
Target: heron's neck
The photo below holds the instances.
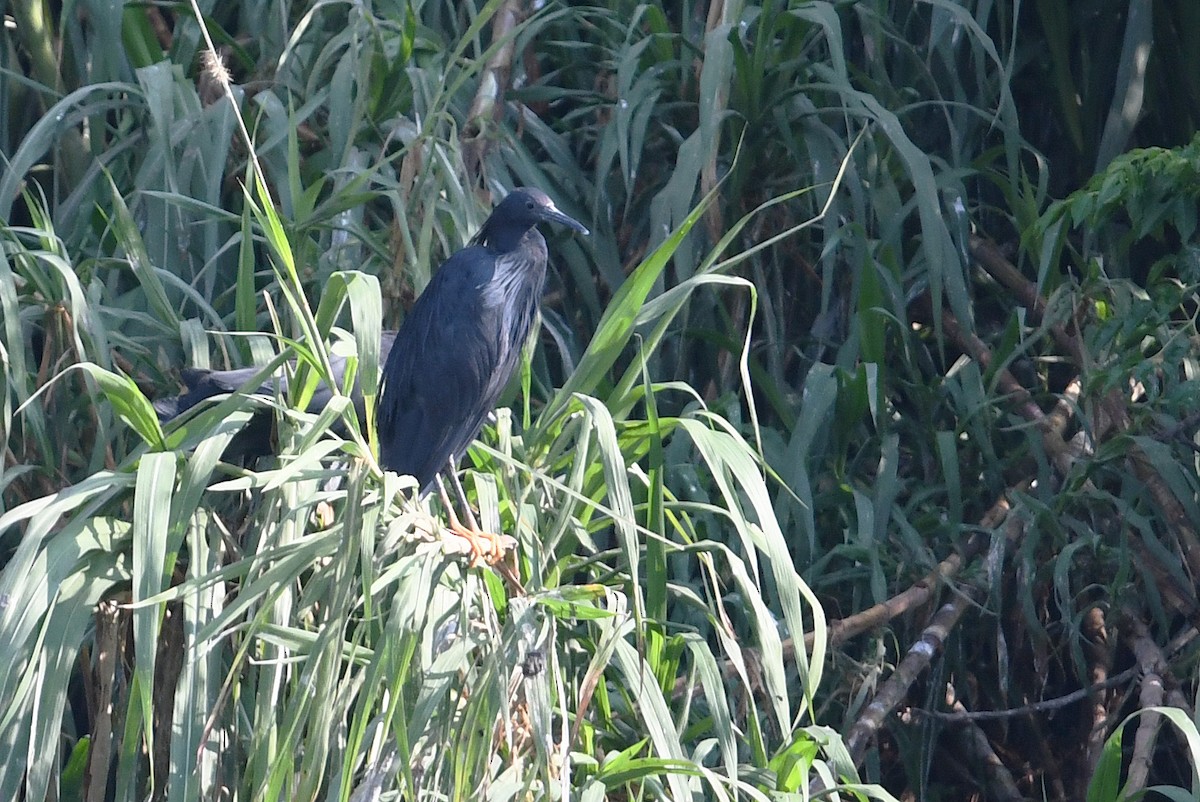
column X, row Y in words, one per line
column 506, row 238
column 519, row 273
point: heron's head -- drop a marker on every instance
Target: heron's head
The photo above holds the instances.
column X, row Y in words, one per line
column 521, row 210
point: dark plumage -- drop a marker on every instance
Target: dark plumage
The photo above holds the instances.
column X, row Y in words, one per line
column 461, row 342
column 254, row 440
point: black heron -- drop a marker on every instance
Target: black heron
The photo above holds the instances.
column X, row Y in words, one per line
column 460, row 345
column 254, row 440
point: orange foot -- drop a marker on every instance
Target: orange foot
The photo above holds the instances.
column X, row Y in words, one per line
column 483, row 546
column 489, row 548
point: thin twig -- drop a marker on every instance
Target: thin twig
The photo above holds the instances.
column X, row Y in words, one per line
column 1043, row 706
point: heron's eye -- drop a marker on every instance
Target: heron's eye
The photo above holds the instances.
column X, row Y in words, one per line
column 529, row 205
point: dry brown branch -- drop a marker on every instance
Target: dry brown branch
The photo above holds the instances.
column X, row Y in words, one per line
column 109, row 635
column 970, row 344
column 488, row 105
column 892, row 692
column 168, row 665
column 1154, row 670
column 921, row 592
column 1005, row 272
column 1187, row 540
column 995, row 777
column 1111, row 414
column 1100, row 712
column 162, row 30
column 1064, row 410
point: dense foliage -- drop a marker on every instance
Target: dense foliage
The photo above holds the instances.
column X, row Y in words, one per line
column 858, row 448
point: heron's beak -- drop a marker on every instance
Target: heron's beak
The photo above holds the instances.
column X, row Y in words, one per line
column 551, row 214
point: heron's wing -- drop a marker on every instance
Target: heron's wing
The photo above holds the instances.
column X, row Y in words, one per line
column 436, row 378
column 255, row 440
column 386, row 340
column 203, row 384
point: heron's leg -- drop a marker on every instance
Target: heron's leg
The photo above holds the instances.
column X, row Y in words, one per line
column 488, row 546
column 462, row 499
column 455, row 526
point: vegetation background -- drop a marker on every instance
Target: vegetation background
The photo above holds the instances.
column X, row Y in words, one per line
column 858, row 449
